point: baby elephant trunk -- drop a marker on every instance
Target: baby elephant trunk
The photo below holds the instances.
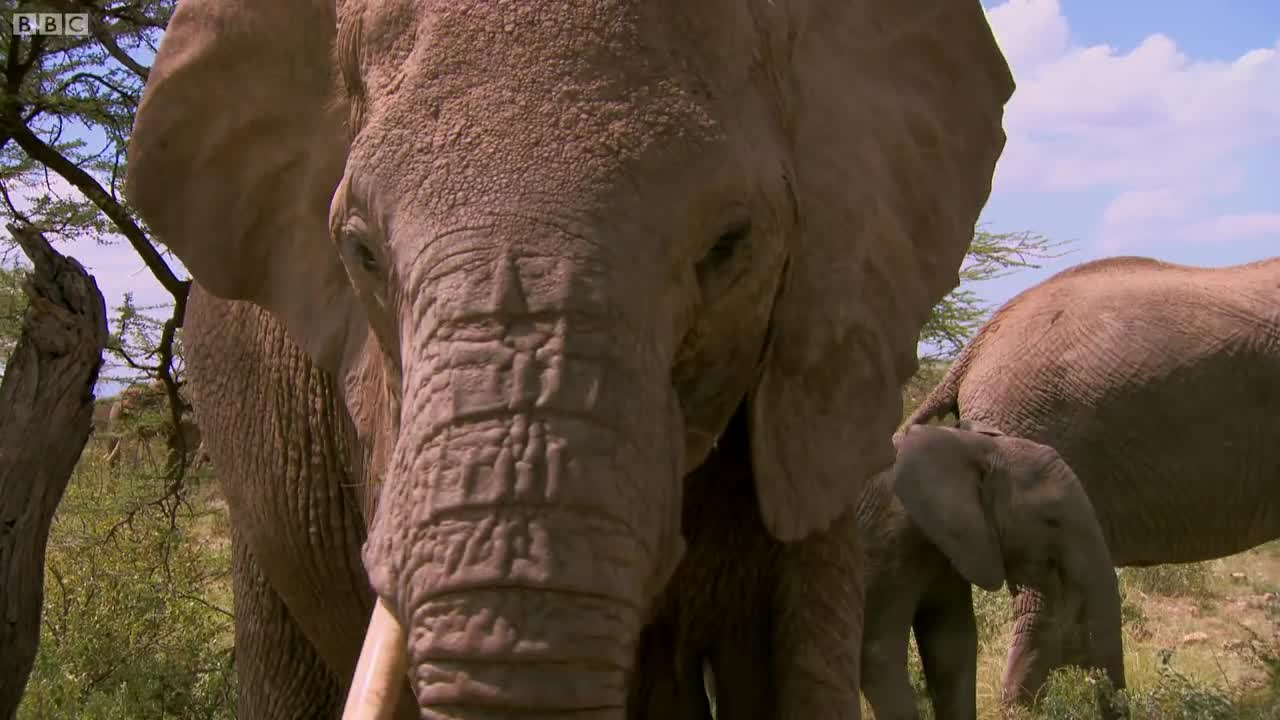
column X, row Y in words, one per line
column 1093, row 572
column 1089, row 578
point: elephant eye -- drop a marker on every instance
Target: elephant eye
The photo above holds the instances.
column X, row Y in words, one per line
column 365, row 257
column 727, row 244
column 356, row 235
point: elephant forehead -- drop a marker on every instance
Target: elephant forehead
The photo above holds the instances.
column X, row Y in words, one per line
column 493, row 95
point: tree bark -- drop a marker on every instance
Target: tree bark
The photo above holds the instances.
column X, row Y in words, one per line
column 46, row 411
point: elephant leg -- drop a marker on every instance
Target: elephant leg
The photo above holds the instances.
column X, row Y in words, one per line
column 279, row 673
column 668, row 681
column 1036, row 649
column 740, row 672
column 290, row 466
column 885, row 680
column 947, row 637
column 720, row 607
column 818, row 623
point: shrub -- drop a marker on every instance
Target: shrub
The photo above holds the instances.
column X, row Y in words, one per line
column 136, row 620
column 993, row 614
column 929, row 374
column 1069, row 694
column 1181, row 580
column 1178, row 697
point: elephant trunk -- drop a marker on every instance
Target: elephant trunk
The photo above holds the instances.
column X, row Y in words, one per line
column 530, row 511
column 1091, row 570
column 1048, row 631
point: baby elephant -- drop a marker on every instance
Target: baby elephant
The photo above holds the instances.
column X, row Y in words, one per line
column 971, row 505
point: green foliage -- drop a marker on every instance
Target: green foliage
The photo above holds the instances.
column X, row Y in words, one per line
column 136, row 342
column 991, row 255
column 69, row 107
column 74, row 97
column 1069, row 694
column 136, row 619
column 993, row 613
column 1132, row 615
column 13, row 308
column 929, row 374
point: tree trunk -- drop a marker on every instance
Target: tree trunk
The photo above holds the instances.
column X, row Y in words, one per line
column 46, row 411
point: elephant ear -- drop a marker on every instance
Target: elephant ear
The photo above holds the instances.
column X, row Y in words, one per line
column 895, row 112
column 938, row 477
column 238, row 144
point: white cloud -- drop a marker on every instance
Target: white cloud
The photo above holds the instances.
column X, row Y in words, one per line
column 1138, row 216
column 1167, row 131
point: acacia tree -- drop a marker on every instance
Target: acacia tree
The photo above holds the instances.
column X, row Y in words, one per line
column 13, row 307
column 958, row 316
column 66, row 111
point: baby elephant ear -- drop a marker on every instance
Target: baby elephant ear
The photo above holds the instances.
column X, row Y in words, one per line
column 938, row 478
column 978, row 427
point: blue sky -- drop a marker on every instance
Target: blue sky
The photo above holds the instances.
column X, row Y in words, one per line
column 1139, row 127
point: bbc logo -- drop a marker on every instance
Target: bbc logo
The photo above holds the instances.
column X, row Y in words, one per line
column 50, row 24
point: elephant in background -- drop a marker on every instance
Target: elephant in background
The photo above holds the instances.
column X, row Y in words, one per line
column 971, row 505
column 139, row 415
column 1159, row 384
column 456, row 371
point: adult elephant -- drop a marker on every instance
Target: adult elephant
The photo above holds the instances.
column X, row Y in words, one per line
column 488, row 280
column 972, row 505
column 137, row 417
column 1159, row 384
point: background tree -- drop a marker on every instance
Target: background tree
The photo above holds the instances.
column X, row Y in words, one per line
column 65, row 115
column 13, row 306
column 46, row 409
column 134, row 619
column 958, row 316
column 992, row 255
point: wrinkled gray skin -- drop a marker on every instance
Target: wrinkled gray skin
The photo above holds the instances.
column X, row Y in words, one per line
column 480, row 284
column 1159, row 384
column 965, row 506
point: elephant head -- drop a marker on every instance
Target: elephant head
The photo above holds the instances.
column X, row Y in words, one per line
column 572, row 238
column 1008, row 509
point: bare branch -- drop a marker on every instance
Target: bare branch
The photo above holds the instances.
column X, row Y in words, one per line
column 115, row 211
column 108, row 41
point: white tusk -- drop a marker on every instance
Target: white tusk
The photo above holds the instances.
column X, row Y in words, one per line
column 375, row 689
